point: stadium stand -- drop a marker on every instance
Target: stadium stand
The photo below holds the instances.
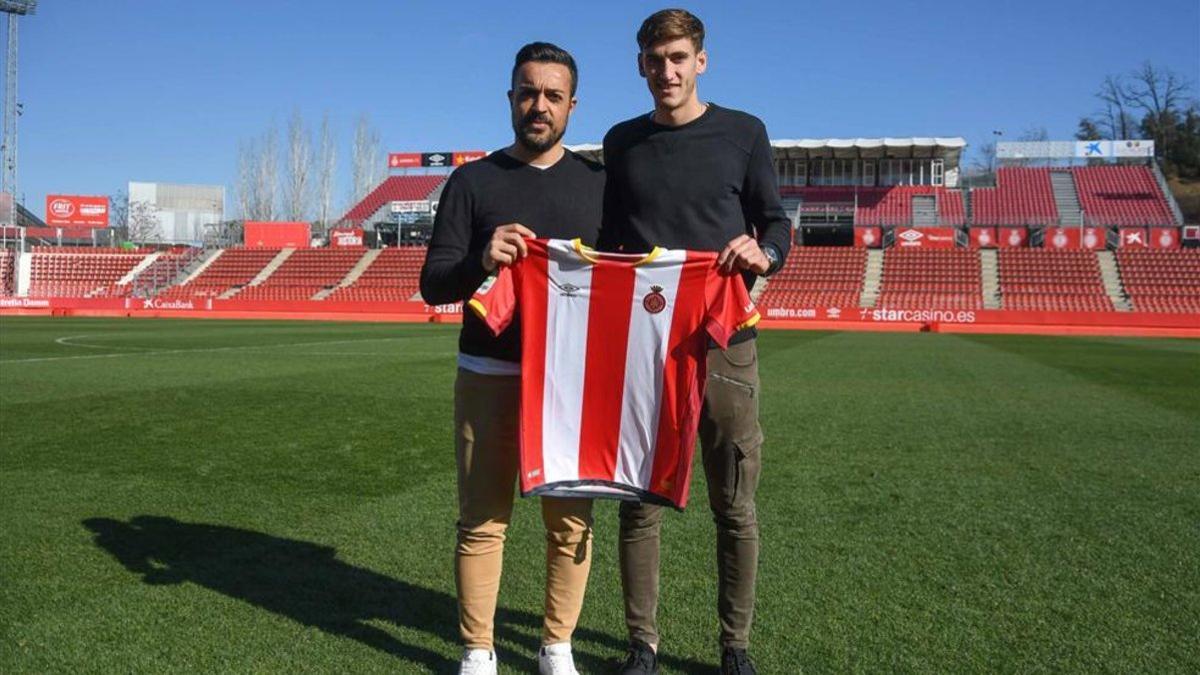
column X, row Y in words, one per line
column 160, row 273
column 931, row 278
column 816, row 276
column 304, row 274
column 1022, row 196
column 392, row 189
column 1161, row 281
column 6, row 273
column 394, row 276
column 235, row 267
column 897, row 206
column 880, row 206
column 1051, row 280
column 1121, row 195
column 75, row 272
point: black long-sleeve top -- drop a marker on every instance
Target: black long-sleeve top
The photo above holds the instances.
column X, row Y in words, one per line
column 559, row 202
column 695, row 186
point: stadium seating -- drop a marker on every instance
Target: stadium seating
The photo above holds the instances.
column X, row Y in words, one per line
column 1022, row 196
column 931, row 278
column 394, row 276
column 158, row 273
column 304, row 274
column 75, row 272
column 392, row 189
column 7, row 285
column 1161, row 281
column 235, row 267
column 1051, row 280
column 893, row 205
column 817, row 276
column 1121, row 195
column 878, row 205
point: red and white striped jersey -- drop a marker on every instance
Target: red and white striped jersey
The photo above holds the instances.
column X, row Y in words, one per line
column 613, row 363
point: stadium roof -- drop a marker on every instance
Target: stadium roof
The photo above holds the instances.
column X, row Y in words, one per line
column 949, row 149
column 869, row 148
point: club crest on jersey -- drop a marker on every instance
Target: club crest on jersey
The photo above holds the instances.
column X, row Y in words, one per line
column 654, row 302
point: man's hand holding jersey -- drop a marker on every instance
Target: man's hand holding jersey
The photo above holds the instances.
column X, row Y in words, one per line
column 507, row 246
column 743, row 253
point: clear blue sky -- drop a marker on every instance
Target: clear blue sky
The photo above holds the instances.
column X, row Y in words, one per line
column 157, row 90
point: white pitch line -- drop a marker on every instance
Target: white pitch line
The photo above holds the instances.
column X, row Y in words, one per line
column 43, row 359
column 69, row 341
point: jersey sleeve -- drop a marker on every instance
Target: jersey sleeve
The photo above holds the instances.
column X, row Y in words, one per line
column 496, row 300
column 730, row 308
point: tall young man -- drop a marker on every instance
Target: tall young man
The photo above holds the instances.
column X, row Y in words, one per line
column 485, row 211
column 697, row 176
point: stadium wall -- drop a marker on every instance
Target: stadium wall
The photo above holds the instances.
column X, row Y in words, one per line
column 1146, row 324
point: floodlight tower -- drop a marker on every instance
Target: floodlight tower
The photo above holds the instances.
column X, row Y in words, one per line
column 12, row 108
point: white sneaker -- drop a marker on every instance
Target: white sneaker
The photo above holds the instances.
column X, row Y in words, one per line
column 556, row 659
column 478, row 662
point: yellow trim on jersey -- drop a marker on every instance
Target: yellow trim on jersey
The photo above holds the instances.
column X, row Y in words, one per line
column 749, row 322
column 478, row 307
column 589, row 254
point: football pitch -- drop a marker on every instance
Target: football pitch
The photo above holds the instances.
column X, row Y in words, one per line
column 253, row 496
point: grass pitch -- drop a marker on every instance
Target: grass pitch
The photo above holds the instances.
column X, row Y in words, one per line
column 211, row 496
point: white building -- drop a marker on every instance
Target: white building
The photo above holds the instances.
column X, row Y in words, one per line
column 180, row 211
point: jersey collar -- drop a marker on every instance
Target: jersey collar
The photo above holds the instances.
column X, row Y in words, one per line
column 593, row 256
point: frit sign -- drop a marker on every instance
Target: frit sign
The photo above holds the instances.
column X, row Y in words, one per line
column 91, row 211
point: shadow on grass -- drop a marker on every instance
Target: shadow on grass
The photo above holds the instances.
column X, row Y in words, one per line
column 308, row 584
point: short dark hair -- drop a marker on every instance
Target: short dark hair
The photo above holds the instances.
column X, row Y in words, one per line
column 545, row 52
column 671, row 24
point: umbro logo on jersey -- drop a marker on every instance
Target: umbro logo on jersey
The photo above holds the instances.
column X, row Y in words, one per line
column 569, row 290
column 654, row 302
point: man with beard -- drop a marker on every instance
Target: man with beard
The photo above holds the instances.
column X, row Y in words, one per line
column 486, row 211
column 697, row 176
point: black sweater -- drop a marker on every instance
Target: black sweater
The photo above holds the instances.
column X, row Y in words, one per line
column 695, row 186
column 560, row 202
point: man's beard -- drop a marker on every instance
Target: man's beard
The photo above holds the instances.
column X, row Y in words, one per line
column 537, row 143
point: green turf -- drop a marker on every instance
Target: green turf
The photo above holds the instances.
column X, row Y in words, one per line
column 209, row 496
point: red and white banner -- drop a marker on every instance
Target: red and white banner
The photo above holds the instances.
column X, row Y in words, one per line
column 416, row 160
column 1090, row 238
column 1094, row 238
column 466, row 156
column 1134, row 237
column 888, row 315
column 404, row 160
column 277, row 234
column 925, row 237
column 1164, row 237
column 346, row 236
column 983, row 237
column 77, row 210
column 1062, row 238
column 868, row 237
column 1013, row 237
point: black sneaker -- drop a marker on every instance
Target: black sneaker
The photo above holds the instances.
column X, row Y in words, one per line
column 639, row 660
column 736, row 662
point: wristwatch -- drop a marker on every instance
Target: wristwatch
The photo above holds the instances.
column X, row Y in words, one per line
column 772, row 259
